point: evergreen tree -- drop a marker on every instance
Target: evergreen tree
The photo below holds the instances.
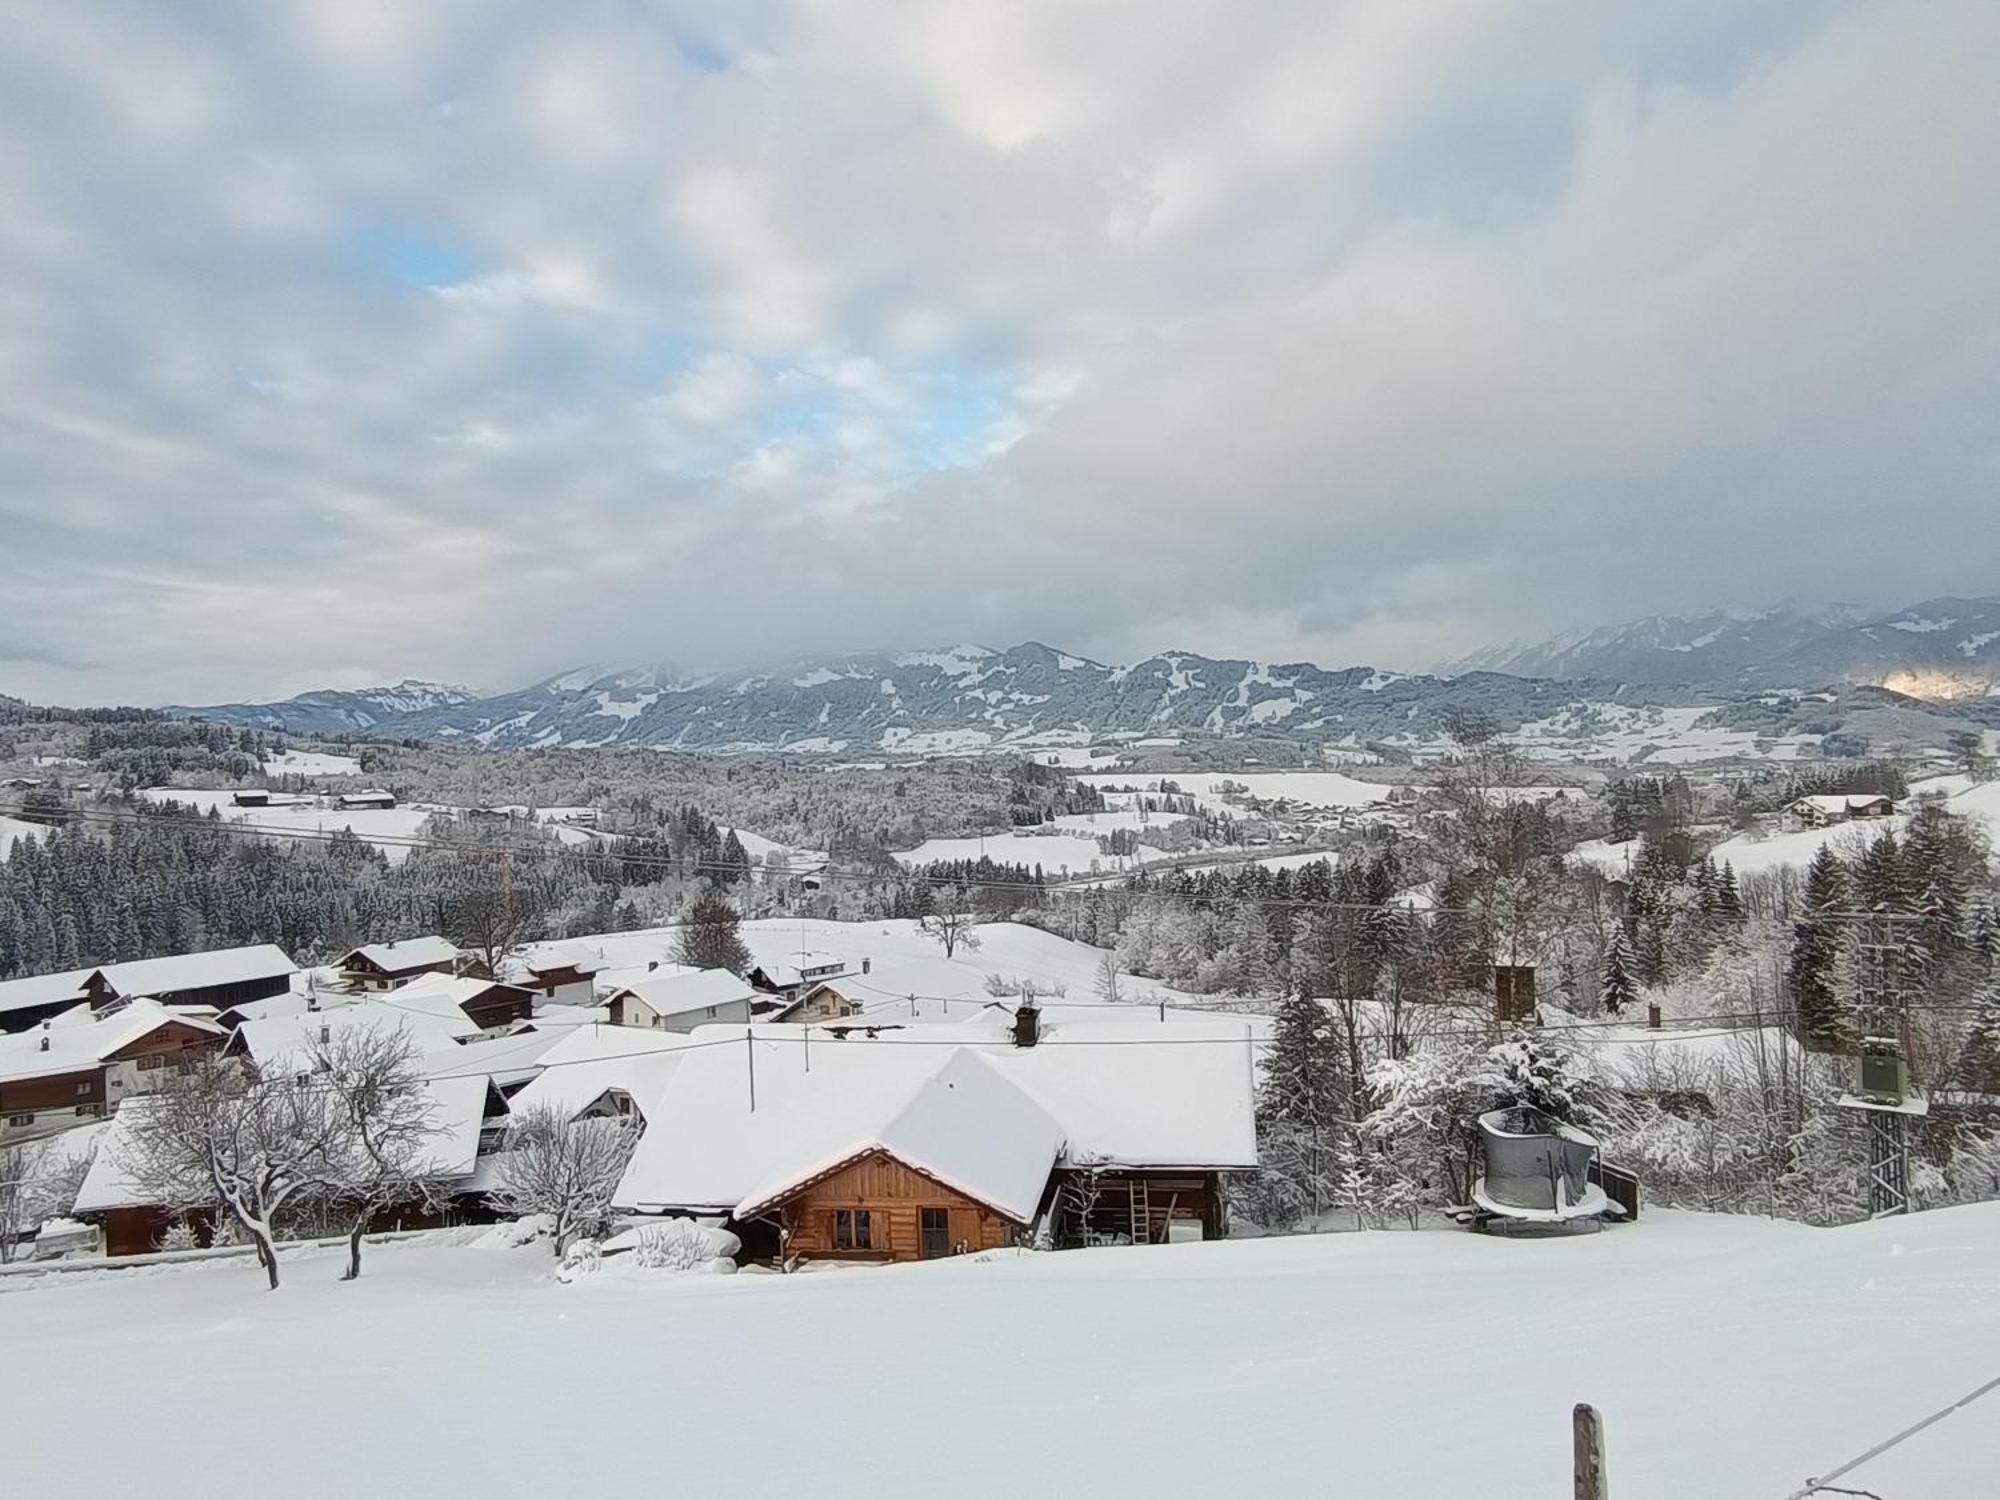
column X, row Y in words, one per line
column 1618, row 991
column 1728, row 899
column 711, row 939
column 1812, row 972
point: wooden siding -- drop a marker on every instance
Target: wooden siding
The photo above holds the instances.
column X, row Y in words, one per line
column 894, row 1196
column 52, row 1091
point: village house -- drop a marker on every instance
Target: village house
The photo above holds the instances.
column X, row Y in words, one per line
column 561, row 973
column 489, row 1004
column 372, row 797
column 793, row 975
column 682, row 1000
column 384, row 966
column 1821, row 811
column 80, row 1067
column 811, row 1146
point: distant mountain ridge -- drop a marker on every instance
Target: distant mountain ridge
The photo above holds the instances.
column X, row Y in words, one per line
column 960, row 698
column 1945, row 647
column 337, row 711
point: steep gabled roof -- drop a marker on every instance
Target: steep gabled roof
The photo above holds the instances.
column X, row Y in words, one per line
column 961, row 1124
column 683, row 993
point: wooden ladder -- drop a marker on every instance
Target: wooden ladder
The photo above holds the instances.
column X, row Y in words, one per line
column 1142, row 1211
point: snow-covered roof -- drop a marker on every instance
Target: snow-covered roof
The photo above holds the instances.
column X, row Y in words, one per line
column 77, row 1047
column 961, row 1123
column 188, row 971
column 576, row 1084
column 440, row 995
column 683, row 993
column 1843, row 802
column 274, row 1039
column 405, row 953
column 505, row 1059
column 1174, row 1095
column 42, row 989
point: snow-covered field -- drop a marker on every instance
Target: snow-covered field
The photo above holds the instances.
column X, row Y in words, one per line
column 1731, row 1357
column 372, row 823
column 1977, row 801
column 17, row 828
column 311, row 763
column 1669, row 736
column 1311, row 788
column 891, row 946
column 1057, row 854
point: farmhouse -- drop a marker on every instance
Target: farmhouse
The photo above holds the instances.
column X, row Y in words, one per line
column 878, row 1150
column 222, row 978
column 79, row 1067
column 790, row 975
column 372, row 797
column 384, row 966
column 1822, row 811
column 682, row 1000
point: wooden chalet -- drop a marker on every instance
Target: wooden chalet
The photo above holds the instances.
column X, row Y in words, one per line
column 562, row 973
column 384, row 966
column 490, row 1004
column 870, row 1151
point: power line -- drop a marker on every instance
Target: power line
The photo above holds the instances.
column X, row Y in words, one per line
column 1824, row 1483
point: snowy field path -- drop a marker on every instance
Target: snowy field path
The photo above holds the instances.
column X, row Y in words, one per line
column 1731, row 1357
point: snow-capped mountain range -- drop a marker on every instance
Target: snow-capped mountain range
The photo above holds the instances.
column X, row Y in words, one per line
column 968, row 697
column 1938, row 649
column 960, row 698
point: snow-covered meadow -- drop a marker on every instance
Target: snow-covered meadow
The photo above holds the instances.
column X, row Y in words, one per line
column 1730, row 1356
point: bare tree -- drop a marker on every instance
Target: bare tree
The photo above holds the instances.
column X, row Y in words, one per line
column 376, row 1076
column 954, row 929
column 562, row 1168
column 493, row 913
column 215, row 1138
column 38, row 1181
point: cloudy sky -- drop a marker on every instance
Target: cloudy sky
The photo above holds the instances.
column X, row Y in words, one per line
column 343, row 340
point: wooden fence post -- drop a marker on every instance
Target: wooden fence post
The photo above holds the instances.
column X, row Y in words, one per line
column 1591, row 1483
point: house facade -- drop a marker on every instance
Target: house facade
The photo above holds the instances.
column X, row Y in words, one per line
column 681, row 1001
column 876, row 1208
column 1821, row 811
column 384, row 966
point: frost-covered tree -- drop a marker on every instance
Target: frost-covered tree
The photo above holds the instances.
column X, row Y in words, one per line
column 38, row 1181
column 1106, row 983
column 1812, row 974
column 215, row 1138
column 563, row 1169
column 387, row 1157
column 951, row 926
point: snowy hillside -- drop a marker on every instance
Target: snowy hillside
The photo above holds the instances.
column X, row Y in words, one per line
column 336, row 711
column 1731, row 1356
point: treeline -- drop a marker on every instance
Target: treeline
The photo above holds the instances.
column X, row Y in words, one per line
column 143, row 881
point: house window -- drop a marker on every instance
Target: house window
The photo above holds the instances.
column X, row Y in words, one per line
column 152, row 1061
column 711, row 1013
column 20, row 1120
column 852, row 1229
column 83, row 1089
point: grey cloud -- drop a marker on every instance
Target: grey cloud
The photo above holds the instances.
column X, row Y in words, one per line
column 1351, row 332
